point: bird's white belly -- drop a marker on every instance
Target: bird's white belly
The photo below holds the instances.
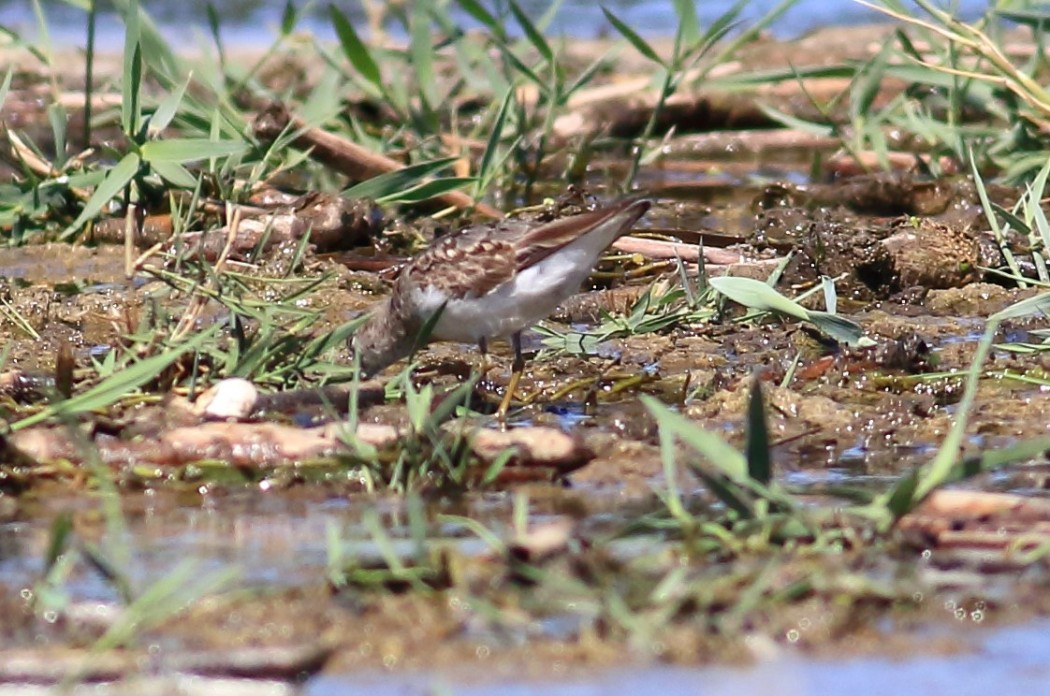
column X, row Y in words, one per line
column 528, row 297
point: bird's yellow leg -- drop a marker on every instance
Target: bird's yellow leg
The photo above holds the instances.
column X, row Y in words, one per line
column 483, row 348
column 515, row 376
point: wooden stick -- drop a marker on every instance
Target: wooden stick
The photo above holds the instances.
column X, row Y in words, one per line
column 657, row 249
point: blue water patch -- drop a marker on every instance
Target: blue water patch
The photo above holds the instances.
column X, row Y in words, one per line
column 256, row 23
column 569, row 415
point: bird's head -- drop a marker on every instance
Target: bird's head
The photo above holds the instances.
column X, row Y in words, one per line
column 378, row 342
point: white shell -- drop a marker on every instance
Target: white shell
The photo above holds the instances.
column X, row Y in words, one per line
column 230, row 398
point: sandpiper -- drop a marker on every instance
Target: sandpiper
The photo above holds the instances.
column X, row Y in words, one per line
column 489, row 281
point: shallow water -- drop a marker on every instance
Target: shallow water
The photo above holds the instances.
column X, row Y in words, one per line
column 280, row 540
column 1007, row 661
column 267, row 539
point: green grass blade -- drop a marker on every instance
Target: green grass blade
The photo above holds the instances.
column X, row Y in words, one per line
column 355, row 50
column 908, row 493
column 116, row 179
column 428, row 190
column 688, row 21
column 759, row 465
column 484, row 18
column 1035, row 194
column 215, row 28
column 633, row 38
column 587, row 75
column 528, row 72
column 397, row 181
column 840, row 328
column 1032, row 305
column 993, row 220
column 156, row 52
column 289, row 18
column 166, row 597
column 729, row 465
column 992, row 460
column 422, row 51
column 757, row 295
column 182, row 150
column 167, row 108
column 488, row 158
column 44, row 35
column 531, row 32
column 325, row 101
column 831, row 296
column 939, row 470
column 716, row 450
column 61, row 533
column 491, row 539
column 114, row 388
column 131, row 79
column 869, row 82
column 549, row 13
column 5, row 87
column 791, row 121
column 56, row 114
column 174, row 173
column 668, row 450
column 732, row 483
column 460, row 396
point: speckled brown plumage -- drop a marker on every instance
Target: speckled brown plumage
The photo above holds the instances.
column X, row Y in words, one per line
column 471, row 262
column 475, row 263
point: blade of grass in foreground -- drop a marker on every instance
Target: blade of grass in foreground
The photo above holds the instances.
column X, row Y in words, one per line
column 6, row 85
column 728, row 473
column 759, row 466
column 116, row 387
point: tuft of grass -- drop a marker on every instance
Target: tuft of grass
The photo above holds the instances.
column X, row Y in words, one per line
column 659, row 308
column 662, row 308
column 969, row 102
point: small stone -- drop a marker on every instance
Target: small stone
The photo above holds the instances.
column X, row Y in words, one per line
column 533, row 447
column 231, row 398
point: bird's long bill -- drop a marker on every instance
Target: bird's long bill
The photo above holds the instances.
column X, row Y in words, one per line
column 614, row 221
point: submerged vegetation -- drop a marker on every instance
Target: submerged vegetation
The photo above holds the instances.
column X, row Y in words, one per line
column 249, row 210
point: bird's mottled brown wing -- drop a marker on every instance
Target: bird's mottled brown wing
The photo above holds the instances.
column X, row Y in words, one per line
column 471, row 263
column 544, row 240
